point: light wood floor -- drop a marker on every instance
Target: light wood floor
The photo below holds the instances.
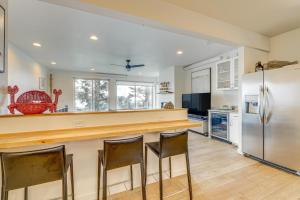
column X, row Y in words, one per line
column 220, row 173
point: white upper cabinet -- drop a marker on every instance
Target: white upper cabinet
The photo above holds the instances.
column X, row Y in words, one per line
column 236, row 73
column 228, row 74
column 224, row 74
column 201, row 81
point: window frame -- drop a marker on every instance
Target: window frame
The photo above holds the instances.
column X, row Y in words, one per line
column 93, row 100
column 135, row 84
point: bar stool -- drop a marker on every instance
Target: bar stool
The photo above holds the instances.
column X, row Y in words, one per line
column 121, row 153
column 24, row 169
column 170, row 144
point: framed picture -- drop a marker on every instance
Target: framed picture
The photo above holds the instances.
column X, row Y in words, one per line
column 2, row 39
column 42, row 83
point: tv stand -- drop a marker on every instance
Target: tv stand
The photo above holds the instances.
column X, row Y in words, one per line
column 203, row 129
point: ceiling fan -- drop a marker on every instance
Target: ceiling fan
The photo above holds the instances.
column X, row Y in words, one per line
column 128, row 66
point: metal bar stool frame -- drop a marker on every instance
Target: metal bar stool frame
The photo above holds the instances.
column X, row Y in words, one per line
column 121, row 153
column 170, row 144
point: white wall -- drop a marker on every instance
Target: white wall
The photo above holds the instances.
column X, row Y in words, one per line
column 23, row 70
column 251, row 57
column 167, row 75
column 174, row 75
column 64, row 80
column 179, row 85
column 286, row 46
column 3, row 76
column 218, row 97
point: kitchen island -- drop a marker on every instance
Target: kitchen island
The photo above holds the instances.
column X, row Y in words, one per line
column 83, row 134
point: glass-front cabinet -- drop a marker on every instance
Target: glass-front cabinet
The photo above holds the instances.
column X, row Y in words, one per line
column 235, row 73
column 220, row 125
column 228, row 74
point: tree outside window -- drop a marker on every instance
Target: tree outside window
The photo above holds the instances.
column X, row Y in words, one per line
column 134, row 95
column 91, row 95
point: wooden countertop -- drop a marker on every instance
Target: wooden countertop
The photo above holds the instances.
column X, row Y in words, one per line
column 15, row 140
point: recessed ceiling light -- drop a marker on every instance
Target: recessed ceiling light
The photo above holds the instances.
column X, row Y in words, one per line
column 179, row 52
column 36, row 44
column 94, row 37
column 53, row 63
column 92, row 69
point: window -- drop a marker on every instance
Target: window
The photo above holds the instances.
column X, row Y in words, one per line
column 91, row 95
column 135, row 95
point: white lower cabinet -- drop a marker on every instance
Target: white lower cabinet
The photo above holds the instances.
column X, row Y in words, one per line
column 234, row 128
column 224, row 125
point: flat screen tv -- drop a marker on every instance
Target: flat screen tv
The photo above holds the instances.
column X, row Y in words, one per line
column 187, row 101
column 197, row 103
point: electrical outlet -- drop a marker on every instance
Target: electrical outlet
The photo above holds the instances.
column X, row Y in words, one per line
column 79, row 124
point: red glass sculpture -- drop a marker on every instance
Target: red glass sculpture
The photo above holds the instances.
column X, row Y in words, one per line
column 32, row 102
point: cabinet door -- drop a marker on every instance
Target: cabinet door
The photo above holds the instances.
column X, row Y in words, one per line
column 234, row 128
column 235, row 70
column 201, row 81
column 228, row 74
column 224, row 74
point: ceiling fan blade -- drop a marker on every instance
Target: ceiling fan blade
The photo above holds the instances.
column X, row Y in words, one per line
column 117, row 65
column 133, row 66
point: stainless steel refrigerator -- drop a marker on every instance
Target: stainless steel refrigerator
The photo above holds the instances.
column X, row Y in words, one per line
column 271, row 117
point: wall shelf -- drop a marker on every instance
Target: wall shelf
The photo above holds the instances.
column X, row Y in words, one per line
column 165, row 92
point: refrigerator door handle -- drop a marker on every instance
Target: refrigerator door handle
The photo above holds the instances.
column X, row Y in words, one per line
column 267, row 113
column 261, row 104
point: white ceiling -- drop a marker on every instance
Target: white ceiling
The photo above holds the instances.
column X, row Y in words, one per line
column 64, row 34
column 268, row 17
